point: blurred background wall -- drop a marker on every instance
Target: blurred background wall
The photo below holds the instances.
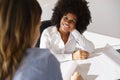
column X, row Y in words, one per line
column 105, row 15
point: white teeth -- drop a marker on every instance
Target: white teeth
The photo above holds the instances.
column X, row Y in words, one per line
column 66, row 26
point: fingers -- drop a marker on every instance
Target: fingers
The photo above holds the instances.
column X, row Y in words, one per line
column 76, row 55
column 84, row 54
column 76, row 76
column 80, row 54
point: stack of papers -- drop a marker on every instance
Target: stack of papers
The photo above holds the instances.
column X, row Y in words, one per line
column 102, row 65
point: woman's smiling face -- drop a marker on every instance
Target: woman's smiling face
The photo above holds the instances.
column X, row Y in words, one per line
column 68, row 22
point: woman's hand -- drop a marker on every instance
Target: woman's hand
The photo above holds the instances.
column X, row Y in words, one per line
column 76, row 76
column 80, row 54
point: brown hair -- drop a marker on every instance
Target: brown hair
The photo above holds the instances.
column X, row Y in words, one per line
column 18, row 20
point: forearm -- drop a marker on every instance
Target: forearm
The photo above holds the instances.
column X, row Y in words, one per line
column 82, row 42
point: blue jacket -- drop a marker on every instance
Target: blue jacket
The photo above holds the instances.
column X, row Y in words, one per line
column 39, row 64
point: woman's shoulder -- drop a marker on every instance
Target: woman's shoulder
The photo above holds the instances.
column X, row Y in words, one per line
column 37, row 53
column 35, row 63
column 51, row 29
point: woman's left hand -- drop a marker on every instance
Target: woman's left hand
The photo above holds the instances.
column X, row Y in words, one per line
column 80, row 54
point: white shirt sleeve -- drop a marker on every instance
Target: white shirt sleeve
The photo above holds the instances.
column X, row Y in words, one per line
column 44, row 40
column 83, row 43
column 62, row 57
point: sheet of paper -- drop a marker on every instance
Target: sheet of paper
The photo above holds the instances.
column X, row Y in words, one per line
column 102, row 65
column 68, row 68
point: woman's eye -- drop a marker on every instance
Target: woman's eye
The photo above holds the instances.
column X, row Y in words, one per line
column 72, row 21
column 65, row 18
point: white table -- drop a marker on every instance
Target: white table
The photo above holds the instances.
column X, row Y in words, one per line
column 100, row 40
column 104, row 64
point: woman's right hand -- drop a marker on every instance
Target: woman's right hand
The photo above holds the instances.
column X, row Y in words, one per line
column 76, row 76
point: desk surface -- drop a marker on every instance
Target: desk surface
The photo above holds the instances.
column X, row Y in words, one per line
column 104, row 64
column 100, row 40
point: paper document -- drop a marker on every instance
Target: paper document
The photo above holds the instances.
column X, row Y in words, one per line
column 102, row 65
column 68, row 68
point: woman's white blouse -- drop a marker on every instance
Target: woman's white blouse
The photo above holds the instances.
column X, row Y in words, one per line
column 52, row 40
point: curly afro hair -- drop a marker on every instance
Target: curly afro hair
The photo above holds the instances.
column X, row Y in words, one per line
column 77, row 7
